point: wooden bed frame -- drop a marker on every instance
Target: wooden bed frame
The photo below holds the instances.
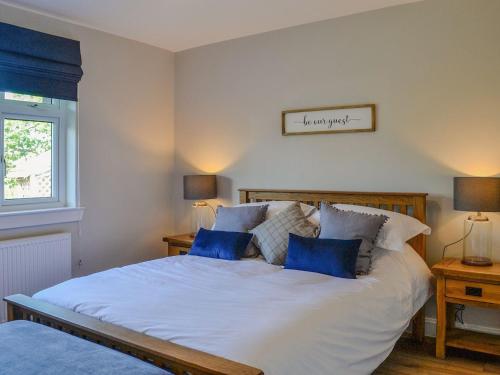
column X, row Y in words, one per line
column 412, row 204
column 181, row 360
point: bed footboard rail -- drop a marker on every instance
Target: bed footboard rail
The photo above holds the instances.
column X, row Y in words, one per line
column 175, row 358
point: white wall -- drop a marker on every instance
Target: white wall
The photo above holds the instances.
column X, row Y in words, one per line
column 432, row 68
column 126, row 120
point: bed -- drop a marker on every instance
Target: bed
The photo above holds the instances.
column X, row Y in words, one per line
column 209, row 316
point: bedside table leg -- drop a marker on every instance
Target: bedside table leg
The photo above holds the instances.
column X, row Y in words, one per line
column 450, row 315
column 441, row 319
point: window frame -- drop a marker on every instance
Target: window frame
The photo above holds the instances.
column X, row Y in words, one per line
column 53, row 105
column 55, row 112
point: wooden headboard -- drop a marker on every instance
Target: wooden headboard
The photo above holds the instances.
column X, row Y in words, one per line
column 412, row 204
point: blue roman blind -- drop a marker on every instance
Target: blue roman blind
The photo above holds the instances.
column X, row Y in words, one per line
column 40, row 64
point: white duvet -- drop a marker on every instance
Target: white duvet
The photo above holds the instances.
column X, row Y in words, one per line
column 284, row 322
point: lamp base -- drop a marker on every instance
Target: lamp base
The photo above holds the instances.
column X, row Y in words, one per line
column 478, row 217
column 200, row 204
column 477, row 261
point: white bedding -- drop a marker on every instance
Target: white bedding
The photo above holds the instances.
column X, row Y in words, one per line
column 281, row 321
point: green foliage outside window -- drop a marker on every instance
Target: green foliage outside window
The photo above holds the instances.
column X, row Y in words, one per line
column 24, row 139
column 26, row 98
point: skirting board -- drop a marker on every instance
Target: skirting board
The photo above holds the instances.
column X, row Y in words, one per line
column 430, row 327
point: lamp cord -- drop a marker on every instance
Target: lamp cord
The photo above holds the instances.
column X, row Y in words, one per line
column 460, row 240
column 459, row 309
column 459, row 313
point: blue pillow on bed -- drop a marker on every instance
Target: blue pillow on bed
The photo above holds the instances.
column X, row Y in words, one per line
column 326, row 256
column 220, row 244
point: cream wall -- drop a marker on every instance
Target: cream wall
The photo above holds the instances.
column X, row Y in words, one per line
column 126, row 120
column 432, row 68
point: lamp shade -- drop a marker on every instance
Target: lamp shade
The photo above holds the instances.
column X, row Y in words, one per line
column 480, row 194
column 200, row 187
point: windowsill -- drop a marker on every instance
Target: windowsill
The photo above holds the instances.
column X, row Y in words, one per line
column 33, row 218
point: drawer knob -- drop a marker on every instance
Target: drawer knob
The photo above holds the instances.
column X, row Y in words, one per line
column 473, row 291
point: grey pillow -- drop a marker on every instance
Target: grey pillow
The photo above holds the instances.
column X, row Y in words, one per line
column 272, row 235
column 350, row 225
column 240, row 219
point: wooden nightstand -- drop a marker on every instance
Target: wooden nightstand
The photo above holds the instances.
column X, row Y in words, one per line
column 178, row 244
column 467, row 285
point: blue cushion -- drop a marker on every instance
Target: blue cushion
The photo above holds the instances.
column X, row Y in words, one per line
column 220, row 244
column 326, row 256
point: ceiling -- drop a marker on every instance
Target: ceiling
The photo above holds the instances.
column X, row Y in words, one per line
column 181, row 24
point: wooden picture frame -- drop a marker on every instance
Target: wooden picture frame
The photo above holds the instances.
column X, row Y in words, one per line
column 328, row 120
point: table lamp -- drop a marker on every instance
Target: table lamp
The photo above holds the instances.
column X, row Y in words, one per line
column 477, row 194
column 199, row 188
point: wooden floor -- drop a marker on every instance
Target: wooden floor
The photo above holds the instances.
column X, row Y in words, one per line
column 410, row 358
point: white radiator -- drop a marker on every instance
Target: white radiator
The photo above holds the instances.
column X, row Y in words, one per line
column 28, row 265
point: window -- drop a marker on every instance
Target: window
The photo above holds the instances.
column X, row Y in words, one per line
column 27, row 98
column 35, row 160
column 29, row 165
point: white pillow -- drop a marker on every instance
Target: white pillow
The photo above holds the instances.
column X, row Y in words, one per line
column 396, row 231
column 315, row 218
column 277, row 206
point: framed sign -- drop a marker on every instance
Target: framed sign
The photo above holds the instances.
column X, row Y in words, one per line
column 342, row 119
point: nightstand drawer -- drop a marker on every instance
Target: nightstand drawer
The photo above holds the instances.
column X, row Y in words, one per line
column 473, row 291
column 177, row 250
column 179, row 244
